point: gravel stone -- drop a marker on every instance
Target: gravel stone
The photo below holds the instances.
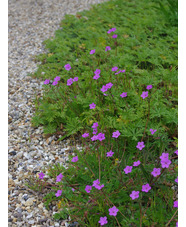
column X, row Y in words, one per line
column 29, row 24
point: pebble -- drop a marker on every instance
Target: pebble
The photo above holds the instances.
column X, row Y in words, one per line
column 29, row 24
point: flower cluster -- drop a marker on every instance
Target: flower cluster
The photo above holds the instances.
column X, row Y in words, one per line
column 106, row 87
column 97, row 74
column 71, row 80
column 165, row 162
column 97, row 185
column 95, row 125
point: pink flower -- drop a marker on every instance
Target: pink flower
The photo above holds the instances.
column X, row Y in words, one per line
column 97, row 76
column 134, row 195
column 97, row 72
column 165, row 163
column 67, row 67
column 116, row 134
column 57, row 78
column 137, row 163
column 149, row 87
column 92, row 106
column 101, row 136
column 92, row 51
column 152, row 131
column 55, row 82
column 164, row 156
column 69, row 82
column 176, row 224
column 103, row 220
column 41, row 175
column 140, row 145
column 176, row 152
column 113, row 29
column 176, row 180
column 109, row 85
column 59, row 192
column 104, row 88
column 75, row 79
column 107, row 48
column 97, row 185
column 110, row 153
column 73, row 189
column 88, row 188
column 128, row 169
column 113, row 211
column 85, row 135
column 114, row 69
column 114, row 36
column 59, row 177
column 156, row 172
column 124, row 94
column 144, row 94
column 75, row 159
column 176, row 203
column 95, row 131
column 95, row 125
column 146, row 187
column 46, row 81
column 94, row 138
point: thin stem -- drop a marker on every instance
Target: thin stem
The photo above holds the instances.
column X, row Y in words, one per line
column 171, row 218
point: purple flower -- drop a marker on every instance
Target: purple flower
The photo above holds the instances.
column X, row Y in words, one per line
column 67, row 67
column 176, row 180
column 116, row 134
column 176, row 203
column 114, row 36
column 109, row 31
column 128, row 169
column 95, row 77
column 88, row 188
column 97, row 72
column 113, row 29
column 105, row 94
column 92, row 106
column 164, row 156
column 124, row 94
column 176, row 224
column 97, row 185
column 110, row 153
column 118, row 72
column 73, row 189
column 69, row 82
column 146, row 187
column 165, row 163
column 85, row 135
column 104, row 88
column 113, row 211
column 92, row 51
column 109, row 85
column 75, row 79
column 123, row 71
column 59, row 192
column 55, row 82
column 59, row 177
column 114, row 69
column 156, row 172
column 57, row 78
column 149, row 87
column 176, row 152
column 134, row 195
column 95, row 131
column 41, row 175
column 140, row 145
column 152, row 131
column 107, row 48
column 94, row 138
column 46, row 81
column 95, row 125
column 101, row 136
column 103, row 220
column 75, row 159
column 144, row 94
column 137, row 163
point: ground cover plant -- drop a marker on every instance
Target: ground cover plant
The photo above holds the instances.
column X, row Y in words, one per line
column 111, row 77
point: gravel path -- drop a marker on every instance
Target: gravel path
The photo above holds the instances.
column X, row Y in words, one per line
column 30, row 23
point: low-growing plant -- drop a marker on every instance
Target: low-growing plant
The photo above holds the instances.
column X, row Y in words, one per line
column 126, row 115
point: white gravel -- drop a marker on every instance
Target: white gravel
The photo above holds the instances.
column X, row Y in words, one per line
column 30, row 23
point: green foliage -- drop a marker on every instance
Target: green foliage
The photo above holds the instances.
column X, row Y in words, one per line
column 146, row 48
